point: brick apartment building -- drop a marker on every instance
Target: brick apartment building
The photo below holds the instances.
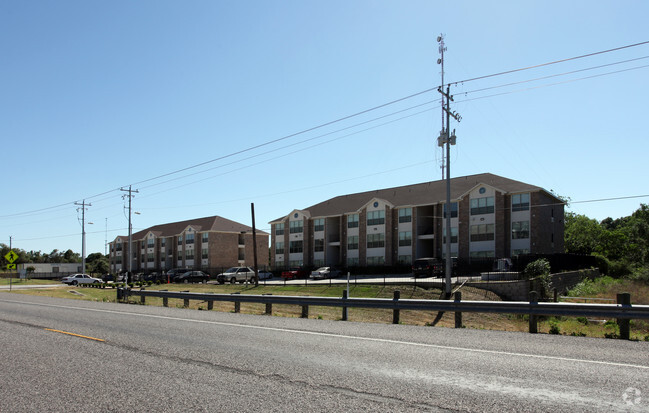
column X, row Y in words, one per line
column 491, row 217
column 203, row 243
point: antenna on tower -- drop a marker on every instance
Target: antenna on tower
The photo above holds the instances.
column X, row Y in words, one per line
column 440, row 61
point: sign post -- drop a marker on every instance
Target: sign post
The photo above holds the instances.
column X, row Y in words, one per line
column 11, row 256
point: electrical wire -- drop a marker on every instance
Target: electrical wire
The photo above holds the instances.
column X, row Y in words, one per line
column 337, row 121
column 548, row 63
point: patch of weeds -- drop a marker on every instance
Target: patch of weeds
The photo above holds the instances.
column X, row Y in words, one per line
column 320, row 318
column 646, row 338
column 554, row 327
column 583, row 320
column 578, row 334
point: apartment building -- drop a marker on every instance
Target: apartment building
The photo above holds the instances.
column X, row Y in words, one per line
column 203, row 243
column 491, row 217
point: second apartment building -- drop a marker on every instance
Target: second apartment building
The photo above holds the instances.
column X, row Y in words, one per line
column 202, row 244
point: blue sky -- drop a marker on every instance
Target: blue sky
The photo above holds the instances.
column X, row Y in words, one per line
column 95, row 96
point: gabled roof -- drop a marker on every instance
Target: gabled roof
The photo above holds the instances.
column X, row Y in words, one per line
column 215, row 223
column 427, row 193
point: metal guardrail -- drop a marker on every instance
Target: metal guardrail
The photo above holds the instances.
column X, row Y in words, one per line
column 623, row 311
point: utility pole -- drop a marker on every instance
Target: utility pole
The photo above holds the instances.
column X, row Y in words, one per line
column 83, row 233
column 448, row 138
column 130, row 230
column 254, row 242
column 106, row 238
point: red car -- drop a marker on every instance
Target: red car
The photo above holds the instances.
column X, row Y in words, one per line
column 295, row 273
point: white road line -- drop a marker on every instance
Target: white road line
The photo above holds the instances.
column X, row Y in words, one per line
column 315, row 333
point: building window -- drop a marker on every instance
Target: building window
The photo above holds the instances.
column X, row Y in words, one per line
column 375, row 240
column 352, row 262
column 481, row 206
column 318, row 224
column 295, row 263
column 204, row 254
column 405, row 259
column 521, row 230
column 296, row 227
column 189, row 239
column 376, row 218
column 189, row 254
column 482, row 254
column 118, row 260
column 352, row 242
column 482, row 232
column 453, row 235
column 205, row 236
column 453, row 210
column 279, row 248
column 180, row 240
column 405, row 215
column 119, row 247
column 520, row 252
column 352, row 221
column 318, row 245
column 295, row 247
column 150, row 257
column 318, row 263
column 521, row 202
column 405, row 239
column 279, row 229
column 375, row 260
column 163, row 242
column 150, row 242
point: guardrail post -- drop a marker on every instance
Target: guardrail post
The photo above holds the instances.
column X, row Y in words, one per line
column 556, row 295
column 534, row 326
column 210, row 305
column 165, row 300
column 237, row 306
column 305, row 311
column 458, row 314
column 624, row 299
column 345, row 312
column 395, row 312
column 269, row 307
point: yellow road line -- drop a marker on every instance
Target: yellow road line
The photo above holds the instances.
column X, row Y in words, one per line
column 72, row 334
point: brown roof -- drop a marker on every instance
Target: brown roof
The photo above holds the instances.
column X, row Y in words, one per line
column 215, row 223
column 426, row 193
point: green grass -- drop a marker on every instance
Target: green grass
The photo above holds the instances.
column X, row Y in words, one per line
column 579, row 326
column 18, row 281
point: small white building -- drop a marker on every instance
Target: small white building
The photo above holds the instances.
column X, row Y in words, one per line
column 64, row 267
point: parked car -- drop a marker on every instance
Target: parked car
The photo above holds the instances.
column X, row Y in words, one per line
column 325, row 272
column 108, row 277
column 236, row 274
column 76, row 279
column 428, row 267
column 174, row 272
column 265, row 275
column 295, row 273
column 192, row 277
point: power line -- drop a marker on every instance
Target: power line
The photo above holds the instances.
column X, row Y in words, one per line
column 549, row 63
column 333, row 122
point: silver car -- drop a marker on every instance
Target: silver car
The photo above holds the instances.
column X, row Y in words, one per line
column 77, row 279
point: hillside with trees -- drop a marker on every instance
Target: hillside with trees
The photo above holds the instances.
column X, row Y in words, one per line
column 621, row 245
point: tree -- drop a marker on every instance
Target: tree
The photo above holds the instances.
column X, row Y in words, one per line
column 97, row 263
column 582, row 234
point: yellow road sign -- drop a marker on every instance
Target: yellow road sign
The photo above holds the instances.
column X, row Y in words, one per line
column 11, row 256
column 11, row 266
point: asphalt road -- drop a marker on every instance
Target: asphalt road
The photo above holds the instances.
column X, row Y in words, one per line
column 175, row 360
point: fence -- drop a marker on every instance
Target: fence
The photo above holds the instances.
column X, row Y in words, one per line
column 623, row 311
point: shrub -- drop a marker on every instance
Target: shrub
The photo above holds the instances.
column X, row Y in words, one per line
column 554, row 327
column 537, row 268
